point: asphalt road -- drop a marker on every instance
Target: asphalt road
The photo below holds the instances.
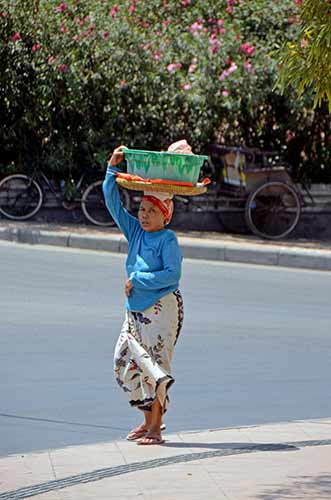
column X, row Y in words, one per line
column 255, row 347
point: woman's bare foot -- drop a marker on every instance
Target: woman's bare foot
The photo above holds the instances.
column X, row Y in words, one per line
column 150, row 438
column 153, row 425
column 137, row 432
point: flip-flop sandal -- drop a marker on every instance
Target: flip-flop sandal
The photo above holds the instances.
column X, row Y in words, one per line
column 136, row 434
column 133, row 435
column 152, row 440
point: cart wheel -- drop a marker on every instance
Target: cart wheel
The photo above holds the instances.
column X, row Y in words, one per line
column 273, row 210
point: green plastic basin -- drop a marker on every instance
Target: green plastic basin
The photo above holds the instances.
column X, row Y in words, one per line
column 164, row 165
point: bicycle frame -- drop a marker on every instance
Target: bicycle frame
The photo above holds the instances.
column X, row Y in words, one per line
column 42, row 176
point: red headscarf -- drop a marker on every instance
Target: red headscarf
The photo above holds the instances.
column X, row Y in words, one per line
column 163, row 201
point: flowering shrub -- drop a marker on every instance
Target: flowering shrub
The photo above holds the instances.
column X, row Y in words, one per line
column 78, row 78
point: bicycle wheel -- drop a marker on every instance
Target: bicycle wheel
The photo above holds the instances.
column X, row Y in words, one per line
column 273, row 210
column 94, row 206
column 20, row 197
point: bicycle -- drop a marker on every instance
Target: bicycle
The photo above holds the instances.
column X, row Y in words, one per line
column 22, row 196
column 262, row 191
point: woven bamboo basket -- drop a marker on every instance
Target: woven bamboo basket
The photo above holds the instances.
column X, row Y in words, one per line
column 162, row 188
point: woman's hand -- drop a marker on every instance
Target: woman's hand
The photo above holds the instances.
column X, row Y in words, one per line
column 128, row 287
column 117, row 156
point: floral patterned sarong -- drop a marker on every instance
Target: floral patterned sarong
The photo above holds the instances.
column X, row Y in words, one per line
column 144, row 350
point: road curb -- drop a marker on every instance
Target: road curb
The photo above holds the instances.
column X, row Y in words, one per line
column 207, row 249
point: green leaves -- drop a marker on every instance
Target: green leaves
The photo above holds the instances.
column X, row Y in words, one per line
column 147, row 74
column 306, row 62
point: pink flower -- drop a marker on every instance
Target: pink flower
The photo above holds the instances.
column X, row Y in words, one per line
column 249, row 67
column 304, row 43
column 222, row 31
column 63, row 29
column 195, row 27
column 228, row 71
column 51, row 59
column 192, row 68
column 226, row 93
column 229, row 9
column 60, row 8
column 215, row 43
column 63, row 67
column 185, row 3
column 157, row 55
column 220, row 23
column 132, row 7
column 173, row 66
column 166, row 22
column 186, row 86
column 36, row 47
column 16, row 37
column 105, row 34
column 114, row 11
column 247, row 49
column 298, row 2
column 4, row 14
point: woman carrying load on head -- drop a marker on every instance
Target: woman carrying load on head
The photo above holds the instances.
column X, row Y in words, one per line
column 154, row 305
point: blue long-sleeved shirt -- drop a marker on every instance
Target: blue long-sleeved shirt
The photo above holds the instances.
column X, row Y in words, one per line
column 154, row 259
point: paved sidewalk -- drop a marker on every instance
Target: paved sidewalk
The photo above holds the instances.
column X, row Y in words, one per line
column 197, row 245
column 290, row 460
